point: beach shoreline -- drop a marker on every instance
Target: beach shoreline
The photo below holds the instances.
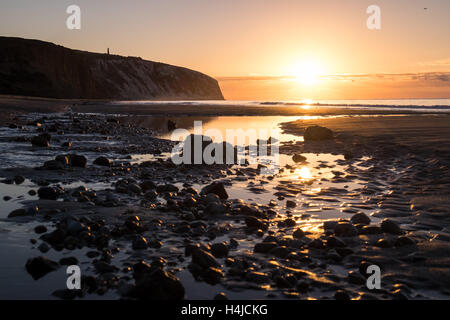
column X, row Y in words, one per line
column 138, row 205
column 11, row 105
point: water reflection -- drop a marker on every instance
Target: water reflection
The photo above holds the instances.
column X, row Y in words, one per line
column 303, row 173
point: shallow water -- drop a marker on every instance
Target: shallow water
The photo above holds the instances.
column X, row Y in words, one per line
column 318, row 187
column 419, row 105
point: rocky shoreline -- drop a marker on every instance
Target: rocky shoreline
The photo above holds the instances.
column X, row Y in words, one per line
column 105, row 195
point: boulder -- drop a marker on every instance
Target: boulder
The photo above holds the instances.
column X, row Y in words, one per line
column 317, row 133
column 204, row 259
column 360, row 218
column 389, row 226
column 298, row 158
column 216, row 188
column 42, row 140
column 102, row 161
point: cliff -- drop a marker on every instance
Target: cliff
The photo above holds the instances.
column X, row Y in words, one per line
column 43, row 69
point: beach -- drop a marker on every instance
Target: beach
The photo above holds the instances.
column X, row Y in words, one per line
column 373, row 194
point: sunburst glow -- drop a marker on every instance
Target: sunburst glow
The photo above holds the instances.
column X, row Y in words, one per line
column 304, row 173
column 307, row 72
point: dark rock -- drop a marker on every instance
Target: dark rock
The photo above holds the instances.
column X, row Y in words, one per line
column 78, row 161
column 360, row 218
column 316, row 244
column 371, row 230
column 334, row 242
column 389, row 226
column 134, row 188
column 140, row 269
column 74, row 227
column 42, row 140
column 356, row 278
column 341, row 295
column 50, row 193
column 147, row 185
column 290, row 223
column 264, row 247
column 213, row 275
column 215, row 208
column 189, row 248
column 43, row 247
column 55, row 238
column 113, row 120
column 219, row 249
column 280, row 252
column 151, row 195
column 102, row 161
column 298, row 233
column 404, row 241
column 257, row 277
column 19, row 179
column 140, row 243
column 216, row 188
column 330, row 225
column 298, row 158
column 155, row 244
column 40, row 229
column 64, row 159
column 345, row 229
column 204, row 259
column 40, row 266
column 384, row 243
column 53, row 165
column 68, row 261
column 348, row 155
column 157, row 284
column 290, row 204
column 317, row 133
column 363, row 268
column 103, row 267
column 171, row 125
column 253, row 222
column 18, row 213
column 92, row 254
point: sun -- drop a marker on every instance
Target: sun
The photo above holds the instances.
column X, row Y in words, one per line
column 306, row 72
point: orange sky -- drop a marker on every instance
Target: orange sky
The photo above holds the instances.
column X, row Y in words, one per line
column 261, row 44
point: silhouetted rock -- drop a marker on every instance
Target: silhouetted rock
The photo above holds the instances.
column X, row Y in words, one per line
column 40, row 266
column 41, row 140
column 216, row 188
column 317, row 133
column 102, row 161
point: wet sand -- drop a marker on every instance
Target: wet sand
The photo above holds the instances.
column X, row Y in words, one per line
column 17, row 105
column 374, row 194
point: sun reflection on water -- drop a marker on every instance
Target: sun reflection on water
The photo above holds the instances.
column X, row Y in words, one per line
column 303, row 173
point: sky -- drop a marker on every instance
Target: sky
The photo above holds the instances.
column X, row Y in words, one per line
column 263, row 49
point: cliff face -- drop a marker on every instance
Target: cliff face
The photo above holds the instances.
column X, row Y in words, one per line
column 37, row 68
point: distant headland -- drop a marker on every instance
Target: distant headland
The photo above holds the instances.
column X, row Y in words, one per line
column 43, row 69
